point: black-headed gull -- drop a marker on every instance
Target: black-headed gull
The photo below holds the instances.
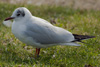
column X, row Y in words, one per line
column 40, row 33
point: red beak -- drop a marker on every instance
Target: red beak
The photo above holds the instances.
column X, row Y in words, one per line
column 9, row 18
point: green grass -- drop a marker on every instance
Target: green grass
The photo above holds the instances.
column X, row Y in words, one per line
column 14, row 53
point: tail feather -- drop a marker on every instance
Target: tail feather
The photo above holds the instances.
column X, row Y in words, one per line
column 81, row 37
column 71, row 44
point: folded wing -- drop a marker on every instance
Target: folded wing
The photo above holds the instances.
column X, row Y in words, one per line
column 45, row 33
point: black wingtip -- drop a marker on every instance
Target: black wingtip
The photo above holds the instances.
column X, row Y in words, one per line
column 82, row 37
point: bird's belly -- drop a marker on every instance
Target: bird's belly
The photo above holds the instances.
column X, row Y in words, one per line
column 25, row 39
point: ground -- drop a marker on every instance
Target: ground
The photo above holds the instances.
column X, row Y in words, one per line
column 14, row 53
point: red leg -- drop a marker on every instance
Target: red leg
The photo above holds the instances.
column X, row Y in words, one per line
column 37, row 52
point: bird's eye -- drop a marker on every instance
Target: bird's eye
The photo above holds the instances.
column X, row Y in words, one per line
column 18, row 14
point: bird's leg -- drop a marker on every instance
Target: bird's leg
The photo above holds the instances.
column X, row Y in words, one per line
column 37, row 52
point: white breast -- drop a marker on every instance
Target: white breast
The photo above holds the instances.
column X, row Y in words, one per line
column 18, row 29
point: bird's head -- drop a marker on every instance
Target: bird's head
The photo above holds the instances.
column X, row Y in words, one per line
column 19, row 14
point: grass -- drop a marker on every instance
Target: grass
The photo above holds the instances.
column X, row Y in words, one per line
column 14, row 53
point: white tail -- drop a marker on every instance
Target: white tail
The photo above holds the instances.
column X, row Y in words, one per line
column 71, row 44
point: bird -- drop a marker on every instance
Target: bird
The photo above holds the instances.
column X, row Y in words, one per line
column 39, row 33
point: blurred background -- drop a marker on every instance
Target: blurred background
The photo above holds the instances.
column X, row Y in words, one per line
column 76, row 4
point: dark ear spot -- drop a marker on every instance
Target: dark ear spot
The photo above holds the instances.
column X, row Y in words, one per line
column 23, row 14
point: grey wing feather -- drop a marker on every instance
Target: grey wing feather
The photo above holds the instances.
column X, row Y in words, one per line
column 46, row 33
